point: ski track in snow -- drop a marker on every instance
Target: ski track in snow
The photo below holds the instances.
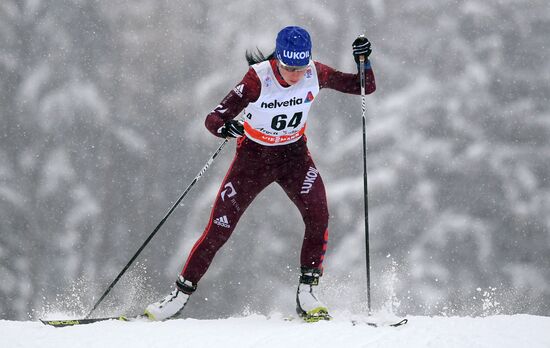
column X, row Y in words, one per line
column 259, row 331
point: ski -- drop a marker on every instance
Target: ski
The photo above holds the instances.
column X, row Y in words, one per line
column 373, row 324
column 356, row 322
column 74, row 322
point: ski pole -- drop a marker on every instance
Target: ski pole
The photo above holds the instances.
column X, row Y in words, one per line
column 199, row 175
column 365, row 178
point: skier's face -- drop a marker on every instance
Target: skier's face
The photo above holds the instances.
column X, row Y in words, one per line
column 291, row 75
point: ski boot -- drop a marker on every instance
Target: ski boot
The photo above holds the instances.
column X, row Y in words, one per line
column 308, row 306
column 172, row 304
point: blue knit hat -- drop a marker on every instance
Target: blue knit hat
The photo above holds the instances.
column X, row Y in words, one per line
column 293, row 46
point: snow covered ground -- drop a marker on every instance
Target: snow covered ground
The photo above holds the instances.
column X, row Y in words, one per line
column 259, row 331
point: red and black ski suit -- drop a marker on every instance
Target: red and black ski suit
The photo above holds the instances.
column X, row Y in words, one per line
column 255, row 166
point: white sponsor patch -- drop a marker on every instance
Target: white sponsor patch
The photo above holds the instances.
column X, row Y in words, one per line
column 311, row 176
column 222, row 221
column 228, row 192
column 295, row 55
column 239, row 90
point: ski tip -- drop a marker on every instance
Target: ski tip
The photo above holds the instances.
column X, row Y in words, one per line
column 400, row 323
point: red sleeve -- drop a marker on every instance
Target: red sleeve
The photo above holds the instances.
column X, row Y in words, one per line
column 245, row 92
column 344, row 82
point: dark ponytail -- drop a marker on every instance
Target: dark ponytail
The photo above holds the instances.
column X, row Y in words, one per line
column 257, row 57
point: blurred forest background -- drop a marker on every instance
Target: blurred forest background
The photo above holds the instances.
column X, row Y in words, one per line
column 102, row 105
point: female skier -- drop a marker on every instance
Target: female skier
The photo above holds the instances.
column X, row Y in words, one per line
column 276, row 94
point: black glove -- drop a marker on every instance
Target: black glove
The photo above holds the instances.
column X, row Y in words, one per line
column 232, row 129
column 361, row 47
